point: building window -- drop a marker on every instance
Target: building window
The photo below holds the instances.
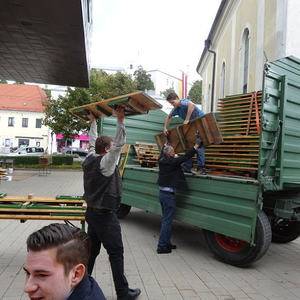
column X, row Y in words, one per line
column 245, row 59
column 23, row 142
column 222, row 87
column 7, row 142
column 11, row 122
column 24, row 122
column 38, row 123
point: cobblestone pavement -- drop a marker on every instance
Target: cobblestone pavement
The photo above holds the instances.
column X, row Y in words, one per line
column 189, row 272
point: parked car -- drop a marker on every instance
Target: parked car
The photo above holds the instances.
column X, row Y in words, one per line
column 27, row 150
column 74, row 150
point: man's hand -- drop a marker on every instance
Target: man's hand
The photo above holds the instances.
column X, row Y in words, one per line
column 198, row 143
column 186, row 122
column 120, row 113
column 91, row 116
column 166, row 132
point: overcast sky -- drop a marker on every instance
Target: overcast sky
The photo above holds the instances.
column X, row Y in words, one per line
column 167, row 35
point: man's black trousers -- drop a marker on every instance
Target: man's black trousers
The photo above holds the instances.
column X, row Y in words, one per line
column 104, row 228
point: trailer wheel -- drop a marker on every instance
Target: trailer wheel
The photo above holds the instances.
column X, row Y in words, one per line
column 123, row 210
column 237, row 252
column 285, row 231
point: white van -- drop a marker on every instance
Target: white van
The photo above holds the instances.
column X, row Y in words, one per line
column 27, row 150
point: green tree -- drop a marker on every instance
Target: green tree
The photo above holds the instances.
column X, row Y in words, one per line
column 19, row 82
column 102, row 86
column 48, row 93
column 3, row 81
column 143, row 80
column 195, row 93
column 167, row 92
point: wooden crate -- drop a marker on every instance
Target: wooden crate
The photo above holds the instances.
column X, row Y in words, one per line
column 183, row 137
column 133, row 103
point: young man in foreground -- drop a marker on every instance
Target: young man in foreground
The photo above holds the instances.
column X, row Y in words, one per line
column 56, row 264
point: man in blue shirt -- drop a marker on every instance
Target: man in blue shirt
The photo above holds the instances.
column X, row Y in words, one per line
column 187, row 110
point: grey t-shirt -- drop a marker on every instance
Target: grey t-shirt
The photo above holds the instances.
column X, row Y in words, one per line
column 110, row 159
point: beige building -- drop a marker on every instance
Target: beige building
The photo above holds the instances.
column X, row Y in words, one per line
column 21, row 115
column 244, row 35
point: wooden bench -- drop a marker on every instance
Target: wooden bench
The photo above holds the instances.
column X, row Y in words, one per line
column 147, row 154
column 238, row 121
column 35, row 208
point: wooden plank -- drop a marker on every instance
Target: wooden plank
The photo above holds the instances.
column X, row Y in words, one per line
column 46, row 210
column 39, row 217
column 239, row 124
column 235, row 115
column 40, row 200
column 231, row 161
column 123, row 159
column 226, row 167
column 217, row 154
column 147, row 154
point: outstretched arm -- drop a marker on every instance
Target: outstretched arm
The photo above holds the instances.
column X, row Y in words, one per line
column 167, row 121
column 189, row 154
column 92, row 133
column 109, row 160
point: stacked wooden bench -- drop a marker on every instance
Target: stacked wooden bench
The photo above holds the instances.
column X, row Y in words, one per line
column 238, row 121
column 147, row 154
column 34, row 208
column 3, row 173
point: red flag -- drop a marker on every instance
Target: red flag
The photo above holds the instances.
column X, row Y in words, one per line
column 185, row 85
column 182, row 88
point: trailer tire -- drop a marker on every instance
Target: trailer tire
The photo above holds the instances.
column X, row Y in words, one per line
column 237, row 252
column 285, row 231
column 123, row 210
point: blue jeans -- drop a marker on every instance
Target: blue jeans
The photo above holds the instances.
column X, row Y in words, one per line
column 168, row 206
column 200, row 160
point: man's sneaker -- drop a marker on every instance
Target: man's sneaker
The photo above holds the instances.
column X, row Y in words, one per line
column 187, row 171
column 201, row 171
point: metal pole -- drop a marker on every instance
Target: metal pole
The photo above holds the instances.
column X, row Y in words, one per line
column 207, row 46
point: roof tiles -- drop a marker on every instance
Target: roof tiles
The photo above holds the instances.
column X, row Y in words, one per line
column 22, row 97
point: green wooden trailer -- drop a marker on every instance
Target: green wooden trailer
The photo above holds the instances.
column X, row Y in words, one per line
column 239, row 215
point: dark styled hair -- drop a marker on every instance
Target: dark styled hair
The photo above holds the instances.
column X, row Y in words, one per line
column 172, row 96
column 101, row 142
column 73, row 244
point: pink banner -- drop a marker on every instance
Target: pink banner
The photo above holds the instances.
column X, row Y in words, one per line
column 82, row 137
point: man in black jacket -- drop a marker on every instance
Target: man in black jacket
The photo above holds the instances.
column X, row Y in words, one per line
column 56, row 263
column 102, row 193
column 170, row 178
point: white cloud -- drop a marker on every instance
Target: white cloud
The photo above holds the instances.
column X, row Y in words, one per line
column 157, row 34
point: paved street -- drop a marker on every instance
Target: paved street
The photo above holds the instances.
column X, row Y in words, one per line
column 190, row 272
